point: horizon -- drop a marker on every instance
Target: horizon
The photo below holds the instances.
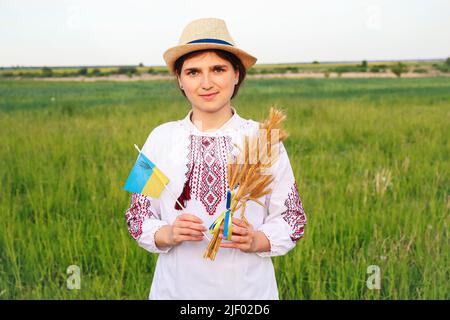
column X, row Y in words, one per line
column 160, row 66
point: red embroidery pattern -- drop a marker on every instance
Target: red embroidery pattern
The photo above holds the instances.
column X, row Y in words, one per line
column 137, row 213
column 294, row 215
column 207, row 159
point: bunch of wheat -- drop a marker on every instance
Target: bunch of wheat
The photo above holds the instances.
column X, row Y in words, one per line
column 248, row 174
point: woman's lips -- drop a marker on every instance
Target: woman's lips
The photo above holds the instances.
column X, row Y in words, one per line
column 209, row 96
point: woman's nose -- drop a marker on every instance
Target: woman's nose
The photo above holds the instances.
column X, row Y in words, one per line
column 206, row 82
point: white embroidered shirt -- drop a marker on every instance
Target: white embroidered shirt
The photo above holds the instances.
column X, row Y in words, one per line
column 179, row 148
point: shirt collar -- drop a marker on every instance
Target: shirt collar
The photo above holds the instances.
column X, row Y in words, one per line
column 232, row 123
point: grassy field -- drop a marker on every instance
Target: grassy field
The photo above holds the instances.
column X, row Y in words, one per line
column 371, row 159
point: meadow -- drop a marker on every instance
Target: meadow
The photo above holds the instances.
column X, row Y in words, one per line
column 370, row 156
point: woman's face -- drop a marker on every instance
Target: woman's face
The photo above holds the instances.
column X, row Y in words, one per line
column 208, row 74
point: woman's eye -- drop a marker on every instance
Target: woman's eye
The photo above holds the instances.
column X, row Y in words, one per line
column 193, row 72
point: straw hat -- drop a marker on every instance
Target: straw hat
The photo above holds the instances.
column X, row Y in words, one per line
column 206, row 33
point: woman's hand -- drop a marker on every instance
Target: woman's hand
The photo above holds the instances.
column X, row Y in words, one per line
column 186, row 227
column 243, row 236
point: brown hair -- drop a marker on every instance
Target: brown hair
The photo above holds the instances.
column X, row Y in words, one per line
column 231, row 58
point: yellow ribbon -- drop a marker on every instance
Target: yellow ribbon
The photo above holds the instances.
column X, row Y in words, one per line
column 226, row 215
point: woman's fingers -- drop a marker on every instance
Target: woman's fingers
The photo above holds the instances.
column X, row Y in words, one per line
column 237, row 230
column 241, row 238
column 238, row 239
column 239, row 222
column 182, row 238
column 191, row 225
column 186, row 231
column 190, row 221
column 189, row 217
column 188, row 225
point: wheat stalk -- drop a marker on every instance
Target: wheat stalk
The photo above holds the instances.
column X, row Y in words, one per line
column 248, row 174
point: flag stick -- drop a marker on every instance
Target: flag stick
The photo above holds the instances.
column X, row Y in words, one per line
column 170, row 192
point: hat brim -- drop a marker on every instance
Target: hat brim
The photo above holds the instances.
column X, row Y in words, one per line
column 172, row 54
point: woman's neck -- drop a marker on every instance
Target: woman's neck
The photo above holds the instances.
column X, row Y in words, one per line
column 211, row 121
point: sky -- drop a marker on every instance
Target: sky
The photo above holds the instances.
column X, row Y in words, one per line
column 97, row 32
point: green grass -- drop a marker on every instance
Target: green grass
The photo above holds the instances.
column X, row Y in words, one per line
column 371, row 159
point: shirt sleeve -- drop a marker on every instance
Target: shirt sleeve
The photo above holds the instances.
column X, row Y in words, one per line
column 285, row 220
column 143, row 217
column 143, row 220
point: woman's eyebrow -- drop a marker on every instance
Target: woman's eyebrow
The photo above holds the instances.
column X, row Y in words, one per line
column 211, row 67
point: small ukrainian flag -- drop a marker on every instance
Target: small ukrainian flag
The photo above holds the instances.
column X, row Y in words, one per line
column 145, row 178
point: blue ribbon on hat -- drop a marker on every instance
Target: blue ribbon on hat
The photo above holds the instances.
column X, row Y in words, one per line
column 210, row 40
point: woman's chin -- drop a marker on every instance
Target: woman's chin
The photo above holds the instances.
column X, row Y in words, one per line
column 210, row 107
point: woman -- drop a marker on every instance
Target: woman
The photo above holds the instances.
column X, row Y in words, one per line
column 192, row 152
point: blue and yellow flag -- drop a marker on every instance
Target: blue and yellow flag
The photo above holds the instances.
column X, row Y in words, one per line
column 146, row 178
